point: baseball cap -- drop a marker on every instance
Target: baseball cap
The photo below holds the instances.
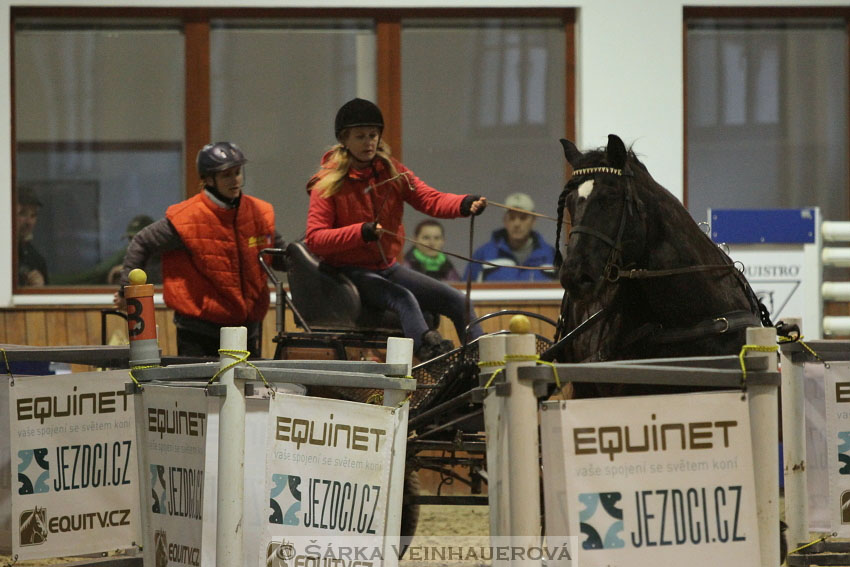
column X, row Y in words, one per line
column 520, row 201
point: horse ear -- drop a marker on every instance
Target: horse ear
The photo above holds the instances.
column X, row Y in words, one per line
column 571, row 152
column 616, row 151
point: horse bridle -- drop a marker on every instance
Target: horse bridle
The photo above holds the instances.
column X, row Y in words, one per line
column 613, row 271
column 612, row 268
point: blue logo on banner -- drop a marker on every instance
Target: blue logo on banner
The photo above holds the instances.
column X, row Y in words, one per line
column 33, row 465
column 603, row 524
column 158, row 489
column 285, row 499
column 844, row 452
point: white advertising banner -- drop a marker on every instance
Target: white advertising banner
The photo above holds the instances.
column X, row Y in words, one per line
column 5, row 471
column 776, row 276
column 176, row 427
column 659, row 480
column 818, row 448
column 837, row 395
column 74, row 460
column 327, row 478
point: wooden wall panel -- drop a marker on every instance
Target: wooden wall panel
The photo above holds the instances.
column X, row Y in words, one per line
column 61, row 326
column 93, row 336
column 36, row 322
column 163, row 329
column 16, row 328
column 75, row 322
column 57, row 330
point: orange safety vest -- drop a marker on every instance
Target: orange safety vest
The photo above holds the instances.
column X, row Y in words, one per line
column 217, row 276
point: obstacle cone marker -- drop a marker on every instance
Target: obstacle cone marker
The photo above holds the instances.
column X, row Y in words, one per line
column 141, row 320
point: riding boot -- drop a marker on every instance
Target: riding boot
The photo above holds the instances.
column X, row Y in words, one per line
column 432, row 345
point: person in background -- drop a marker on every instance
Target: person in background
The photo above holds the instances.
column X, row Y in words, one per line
column 32, row 267
column 108, row 270
column 209, row 245
column 354, row 224
column 426, row 256
column 516, row 245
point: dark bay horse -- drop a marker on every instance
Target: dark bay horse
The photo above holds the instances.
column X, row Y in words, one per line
column 653, row 282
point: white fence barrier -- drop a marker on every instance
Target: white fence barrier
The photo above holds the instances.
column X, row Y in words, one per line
column 755, row 490
column 784, row 253
column 70, row 446
column 202, row 496
column 816, row 440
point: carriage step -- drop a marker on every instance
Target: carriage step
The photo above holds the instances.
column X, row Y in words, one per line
column 824, row 553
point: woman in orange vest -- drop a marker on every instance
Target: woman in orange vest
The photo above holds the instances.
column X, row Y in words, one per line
column 209, row 245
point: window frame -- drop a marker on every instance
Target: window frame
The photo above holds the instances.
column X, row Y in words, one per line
column 749, row 13
column 196, row 27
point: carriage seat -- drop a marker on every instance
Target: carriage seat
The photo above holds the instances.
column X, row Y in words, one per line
column 327, row 299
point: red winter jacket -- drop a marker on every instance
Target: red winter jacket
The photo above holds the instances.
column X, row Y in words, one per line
column 334, row 223
column 217, row 277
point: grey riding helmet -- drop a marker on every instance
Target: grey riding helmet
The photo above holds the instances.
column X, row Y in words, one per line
column 218, row 157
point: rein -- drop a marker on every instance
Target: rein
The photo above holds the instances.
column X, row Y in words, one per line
column 466, row 258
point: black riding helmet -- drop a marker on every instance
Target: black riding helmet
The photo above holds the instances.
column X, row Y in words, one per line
column 358, row 112
column 217, row 157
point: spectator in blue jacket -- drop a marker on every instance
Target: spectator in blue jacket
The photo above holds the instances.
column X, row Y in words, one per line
column 515, row 245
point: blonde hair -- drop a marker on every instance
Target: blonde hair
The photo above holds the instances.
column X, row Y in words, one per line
column 333, row 172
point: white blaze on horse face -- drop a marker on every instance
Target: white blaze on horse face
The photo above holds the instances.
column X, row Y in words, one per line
column 585, row 189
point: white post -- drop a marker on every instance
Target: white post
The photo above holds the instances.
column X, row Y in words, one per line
column 491, row 352
column 146, row 537
column 764, row 419
column 794, row 449
column 399, row 351
column 231, row 456
column 524, row 464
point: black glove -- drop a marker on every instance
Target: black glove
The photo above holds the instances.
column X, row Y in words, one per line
column 466, row 205
column 369, row 231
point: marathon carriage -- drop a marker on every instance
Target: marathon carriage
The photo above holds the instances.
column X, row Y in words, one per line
column 446, row 426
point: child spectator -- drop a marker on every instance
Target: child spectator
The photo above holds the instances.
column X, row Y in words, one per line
column 426, row 256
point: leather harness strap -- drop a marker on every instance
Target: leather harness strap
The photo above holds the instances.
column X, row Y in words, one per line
column 722, row 324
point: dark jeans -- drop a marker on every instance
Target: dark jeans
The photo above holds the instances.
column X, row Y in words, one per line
column 191, row 342
column 408, row 293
